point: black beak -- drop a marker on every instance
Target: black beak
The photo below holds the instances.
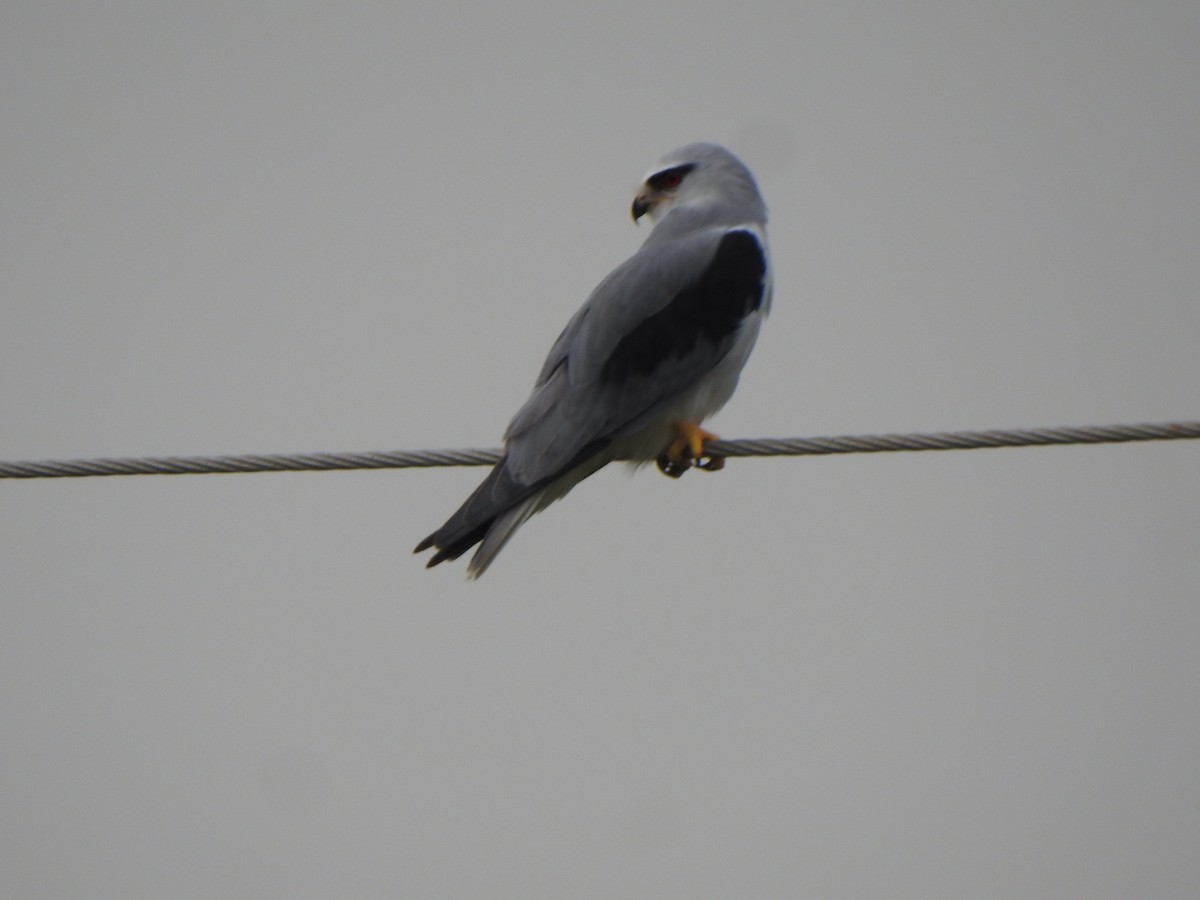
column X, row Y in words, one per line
column 639, row 208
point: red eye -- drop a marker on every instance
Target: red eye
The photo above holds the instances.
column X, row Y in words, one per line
column 669, row 179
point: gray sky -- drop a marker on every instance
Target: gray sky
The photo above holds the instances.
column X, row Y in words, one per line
column 281, row 228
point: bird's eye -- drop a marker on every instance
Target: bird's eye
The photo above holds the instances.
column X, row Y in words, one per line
column 668, row 179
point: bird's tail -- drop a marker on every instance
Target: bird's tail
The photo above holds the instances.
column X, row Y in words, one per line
column 498, row 496
column 502, row 528
column 501, row 505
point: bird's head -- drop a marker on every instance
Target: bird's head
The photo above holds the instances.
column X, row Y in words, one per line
column 694, row 177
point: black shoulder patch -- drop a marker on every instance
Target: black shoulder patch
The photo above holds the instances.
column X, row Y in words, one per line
column 709, row 310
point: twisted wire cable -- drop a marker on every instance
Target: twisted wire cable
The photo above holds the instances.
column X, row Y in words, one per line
column 400, row 459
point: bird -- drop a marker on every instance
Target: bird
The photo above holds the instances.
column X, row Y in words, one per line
column 656, row 349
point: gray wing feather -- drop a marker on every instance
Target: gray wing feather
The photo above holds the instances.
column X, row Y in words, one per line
column 572, row 405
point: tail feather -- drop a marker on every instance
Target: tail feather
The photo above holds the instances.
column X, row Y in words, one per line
column 501, row 505
column 498, row 533
column 468, row 526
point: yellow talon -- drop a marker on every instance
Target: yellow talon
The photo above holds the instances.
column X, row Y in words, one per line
column 688, row 449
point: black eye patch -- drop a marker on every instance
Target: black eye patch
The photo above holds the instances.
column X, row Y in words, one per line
column 669, row 178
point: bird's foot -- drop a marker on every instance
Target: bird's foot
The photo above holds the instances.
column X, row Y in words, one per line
column 687, row 450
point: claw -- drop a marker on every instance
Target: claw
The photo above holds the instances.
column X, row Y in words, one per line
column 672, row 469
column 687, row 450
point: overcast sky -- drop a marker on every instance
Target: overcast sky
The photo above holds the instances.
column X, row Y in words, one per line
column 253, row 227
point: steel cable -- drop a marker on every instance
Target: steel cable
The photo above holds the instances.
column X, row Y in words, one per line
column 401, row 459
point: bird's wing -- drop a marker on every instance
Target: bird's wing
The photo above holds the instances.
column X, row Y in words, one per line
column 652, row 328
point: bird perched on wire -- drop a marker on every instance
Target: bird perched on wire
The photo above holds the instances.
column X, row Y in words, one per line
column 657, row 348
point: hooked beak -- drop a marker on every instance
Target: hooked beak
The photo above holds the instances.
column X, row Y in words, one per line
column 641, row 205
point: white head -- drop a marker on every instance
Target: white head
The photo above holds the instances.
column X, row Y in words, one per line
column 706, row 180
